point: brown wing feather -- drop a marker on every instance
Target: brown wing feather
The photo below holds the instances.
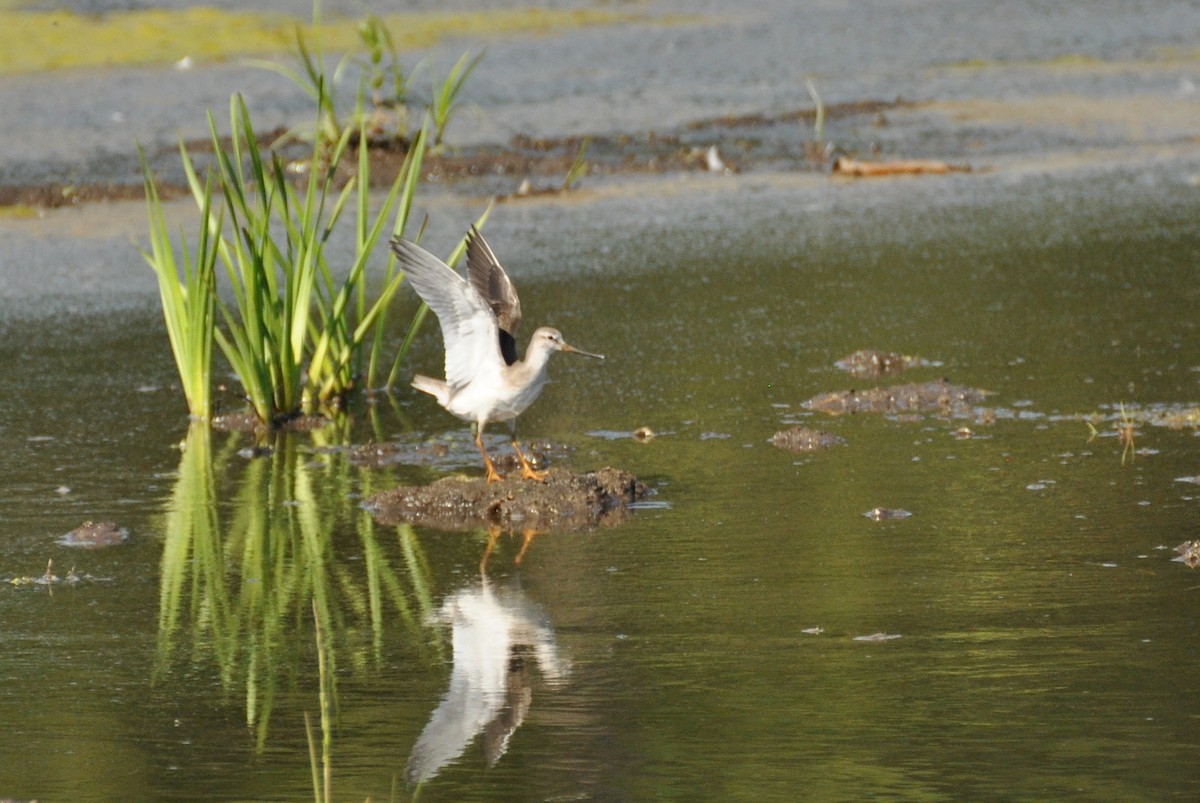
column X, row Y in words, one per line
column 490, row 281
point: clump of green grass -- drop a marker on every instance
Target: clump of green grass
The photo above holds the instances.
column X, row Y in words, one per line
column 188, row 300
column 385, row 79
column 318, row 85
column 445, row 96
column 296, row 335
column 299, row 334
column 384, row 82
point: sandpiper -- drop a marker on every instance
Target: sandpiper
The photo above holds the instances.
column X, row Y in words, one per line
column 484, row 379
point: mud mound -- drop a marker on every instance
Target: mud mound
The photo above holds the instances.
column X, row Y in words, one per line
column 566, row 501
column 95, row 535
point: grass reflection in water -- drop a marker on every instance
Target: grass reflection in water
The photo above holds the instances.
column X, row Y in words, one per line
column 239, row 579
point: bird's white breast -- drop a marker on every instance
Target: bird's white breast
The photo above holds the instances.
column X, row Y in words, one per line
column 495, row 401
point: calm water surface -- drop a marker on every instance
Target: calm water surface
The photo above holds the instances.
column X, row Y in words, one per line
column 1046, row 642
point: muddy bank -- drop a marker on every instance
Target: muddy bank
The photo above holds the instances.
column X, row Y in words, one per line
column 566, row 501
column 525, row 166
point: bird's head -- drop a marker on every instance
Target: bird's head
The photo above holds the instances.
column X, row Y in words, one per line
column 550, row 339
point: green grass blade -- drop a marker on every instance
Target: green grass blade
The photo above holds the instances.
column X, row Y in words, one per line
column 187, row 301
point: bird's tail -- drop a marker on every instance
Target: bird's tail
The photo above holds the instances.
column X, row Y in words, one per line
column 434, row 387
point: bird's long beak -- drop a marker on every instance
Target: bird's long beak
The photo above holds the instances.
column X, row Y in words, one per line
column 573, row 350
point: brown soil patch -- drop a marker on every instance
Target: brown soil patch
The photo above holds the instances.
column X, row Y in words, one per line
column 54, row 195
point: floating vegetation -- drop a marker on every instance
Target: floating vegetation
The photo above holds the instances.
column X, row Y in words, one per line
column 1169, row 415
column 926, row 397
column 1189, row 554
column 49, row 578
column 1125, row 419
column 872, row 364
column 803, row 439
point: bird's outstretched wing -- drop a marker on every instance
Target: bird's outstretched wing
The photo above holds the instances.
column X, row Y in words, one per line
column 492, row 283
column 469, row 329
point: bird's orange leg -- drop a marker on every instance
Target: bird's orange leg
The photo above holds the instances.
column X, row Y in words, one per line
column 492, row 474
column 528, row 472
column 493, row 534
column 526, row 539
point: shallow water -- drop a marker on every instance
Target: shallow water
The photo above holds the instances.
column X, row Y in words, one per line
column 1045, row 642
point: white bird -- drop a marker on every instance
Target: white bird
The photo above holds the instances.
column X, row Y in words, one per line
column 484, row 379
column 497, row 634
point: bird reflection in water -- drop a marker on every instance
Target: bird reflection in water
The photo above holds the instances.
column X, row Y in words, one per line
column 497, row 632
